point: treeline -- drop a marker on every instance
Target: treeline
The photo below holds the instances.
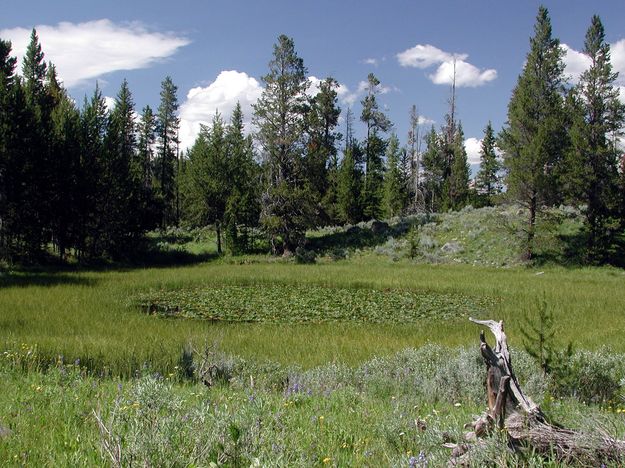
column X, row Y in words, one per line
column 91, row 181
column 309, row 172
column 87, row 181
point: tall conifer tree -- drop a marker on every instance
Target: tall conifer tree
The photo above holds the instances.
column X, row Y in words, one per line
column 147, row 139
column 488, row 184
column 64, row 165
column 167, row 151
column 458, row 181
column 350, row 183
column 242, row 206
column 321, row 151
column 594, row 159
column 434, row 164
column 374, row 147
column 122, row 205
column 37, row 177
column 287, row 208
column 533, row 139
column 94, row 127
column 12, row 117
column 395, row 189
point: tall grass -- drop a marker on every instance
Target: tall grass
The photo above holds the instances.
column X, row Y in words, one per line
column 89, row 315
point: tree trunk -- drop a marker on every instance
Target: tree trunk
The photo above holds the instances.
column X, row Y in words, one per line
column 524, row 423
column 218, row 232
column 531, row 228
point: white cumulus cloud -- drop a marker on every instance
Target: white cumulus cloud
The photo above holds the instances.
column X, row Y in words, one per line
column 371, row 61
column 85, row 51
column 426, row 56
column 575, row 63
column 221, row 96
column 473, row 146
column 467, row 75
column 314, row 86
column 617, row 55
column 423, row 120
column 344, row 95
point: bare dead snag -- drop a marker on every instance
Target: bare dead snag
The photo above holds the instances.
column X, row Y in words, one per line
column 522, row 420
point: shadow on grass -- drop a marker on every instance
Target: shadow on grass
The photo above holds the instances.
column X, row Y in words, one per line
column 571, row 252
column 38, row 278
column 363, row 235
column 52, row 273
column 168, row 259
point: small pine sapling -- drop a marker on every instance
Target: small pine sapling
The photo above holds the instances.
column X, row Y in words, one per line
column 539, row 333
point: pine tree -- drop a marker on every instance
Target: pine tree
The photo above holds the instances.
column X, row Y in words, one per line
column 287, row 208
column 147, row 139
column 37, row 158
column 434, row 164
column 375, row 146
column 167, row 151
column 413, row 153
column 9, row 163
column 94, row 127
column 350, row 177
column 534, row 138
column 242, row 205
column 622, row 190
column 210, row 178
column 142, row 169
column 350, row 183
column 593, row 155
column 488, row 183
column 321, row 152
column 449, row 148
column 64, row 165
column 395, row 194
column 122, row 203
column 458, row 181
column 34, row 70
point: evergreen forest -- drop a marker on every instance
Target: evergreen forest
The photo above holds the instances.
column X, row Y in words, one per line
column 82, row 182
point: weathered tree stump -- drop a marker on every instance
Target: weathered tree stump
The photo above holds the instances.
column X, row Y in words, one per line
column 522, row 420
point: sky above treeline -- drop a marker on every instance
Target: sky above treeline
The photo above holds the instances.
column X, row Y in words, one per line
column 217, row 52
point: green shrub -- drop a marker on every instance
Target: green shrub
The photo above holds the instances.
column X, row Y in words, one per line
column 305, row 256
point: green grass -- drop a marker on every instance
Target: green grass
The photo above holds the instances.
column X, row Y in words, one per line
column 92, row 315
column 326, row 362
column 380, row 414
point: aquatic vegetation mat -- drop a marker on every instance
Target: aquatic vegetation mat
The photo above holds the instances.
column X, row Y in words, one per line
column 278, row 303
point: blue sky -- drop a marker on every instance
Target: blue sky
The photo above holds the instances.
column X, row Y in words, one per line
column 216, row 52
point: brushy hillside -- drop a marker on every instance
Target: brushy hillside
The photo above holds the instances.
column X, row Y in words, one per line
column 490, row 236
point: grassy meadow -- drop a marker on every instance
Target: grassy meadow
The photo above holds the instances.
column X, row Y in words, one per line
column 96, row 316
column 335, row 363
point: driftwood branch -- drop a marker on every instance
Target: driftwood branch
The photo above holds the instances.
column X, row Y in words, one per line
column 522, row 420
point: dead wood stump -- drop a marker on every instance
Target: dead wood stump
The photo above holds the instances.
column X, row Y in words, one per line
column 522, row 420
